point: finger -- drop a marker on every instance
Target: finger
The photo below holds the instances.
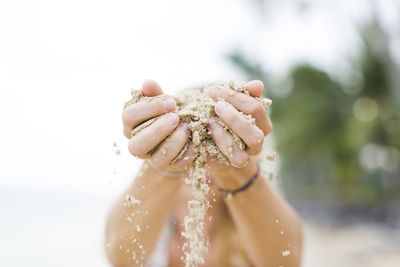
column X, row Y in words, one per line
column 149, row 137
column 141, row 111
column 254, row 151
column 171, row 146
column 243, row 103
column 127, row 133
column 151, row 88
column 255, row 88
column 225, row 142
column 238, row 123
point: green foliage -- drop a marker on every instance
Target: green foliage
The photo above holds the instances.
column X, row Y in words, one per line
column 339, row 142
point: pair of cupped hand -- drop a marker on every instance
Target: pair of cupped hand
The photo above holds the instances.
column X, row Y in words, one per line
column 172, row 134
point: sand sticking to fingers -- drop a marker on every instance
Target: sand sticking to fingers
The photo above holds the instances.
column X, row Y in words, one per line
column 195, row 107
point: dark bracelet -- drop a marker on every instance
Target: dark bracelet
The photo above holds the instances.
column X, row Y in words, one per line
column 247, row 185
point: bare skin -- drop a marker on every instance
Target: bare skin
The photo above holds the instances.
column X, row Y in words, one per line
column 269, row 229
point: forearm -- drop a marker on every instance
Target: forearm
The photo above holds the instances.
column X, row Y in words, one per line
column 133, row 228
column 269, row 228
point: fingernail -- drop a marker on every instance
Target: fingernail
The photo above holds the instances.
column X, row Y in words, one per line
column 173, row 118
column 221, row 105
column 169, row 104
column 211, row 123
column 215, row 92
column 184, row 126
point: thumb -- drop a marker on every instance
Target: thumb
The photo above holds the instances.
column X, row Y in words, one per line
column 151, row 88
column 255, row 88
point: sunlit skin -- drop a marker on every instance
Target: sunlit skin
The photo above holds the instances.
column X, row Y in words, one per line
column 266, row 224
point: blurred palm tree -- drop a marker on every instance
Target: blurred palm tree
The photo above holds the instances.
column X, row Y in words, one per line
column 339, row 142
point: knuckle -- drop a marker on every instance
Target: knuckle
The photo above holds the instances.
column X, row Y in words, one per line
column 256, row 108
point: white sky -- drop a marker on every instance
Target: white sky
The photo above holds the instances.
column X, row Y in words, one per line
column 66, row 67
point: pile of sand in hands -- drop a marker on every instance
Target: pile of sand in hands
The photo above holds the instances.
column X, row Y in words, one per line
column 195, row 107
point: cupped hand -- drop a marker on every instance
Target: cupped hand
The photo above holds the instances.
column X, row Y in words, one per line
column 229, row 106
column 166, row 135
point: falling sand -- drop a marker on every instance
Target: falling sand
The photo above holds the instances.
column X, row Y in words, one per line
column 195, row 107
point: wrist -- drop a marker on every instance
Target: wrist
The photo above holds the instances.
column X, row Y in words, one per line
column 231, row 178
